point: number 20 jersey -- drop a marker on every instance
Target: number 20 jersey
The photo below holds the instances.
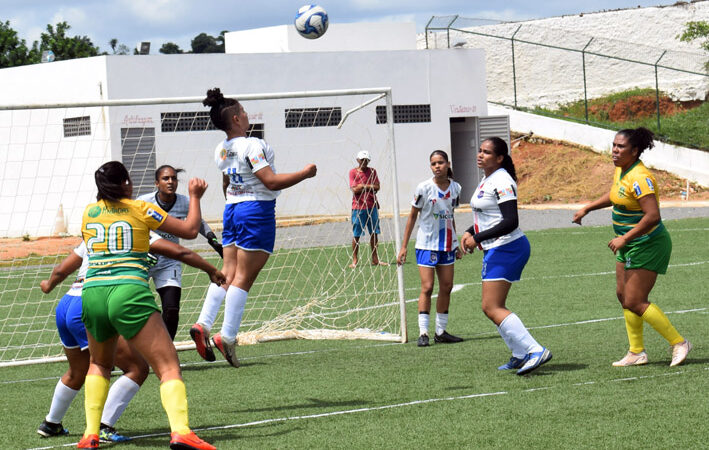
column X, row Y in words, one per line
column 117, row 237
column 239, row 158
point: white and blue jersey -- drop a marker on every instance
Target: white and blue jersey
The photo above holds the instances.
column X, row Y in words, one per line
column 498, row 188
column 436, row 225
column 239, row 158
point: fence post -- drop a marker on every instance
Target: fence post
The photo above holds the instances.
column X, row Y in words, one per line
column 426, row 29
column 657, row 91
column 583, row 63
column 448, row 30
column 514, row 71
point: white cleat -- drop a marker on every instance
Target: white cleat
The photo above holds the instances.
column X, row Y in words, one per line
column 680, row 352
column 632, row 359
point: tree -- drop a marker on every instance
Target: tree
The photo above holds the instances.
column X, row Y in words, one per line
column 170, row 48
column 204, row 43
column 697, row 30
column 13, row 50
column 63, row 46
column 117, row 48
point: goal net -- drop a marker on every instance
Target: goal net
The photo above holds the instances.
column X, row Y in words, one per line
column 307, row 290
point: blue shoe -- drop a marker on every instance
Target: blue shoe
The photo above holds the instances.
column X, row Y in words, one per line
column 109, row 434
column 535, row 360
column 513, row 363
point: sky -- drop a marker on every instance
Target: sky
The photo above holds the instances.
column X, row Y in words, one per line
column 178, row 21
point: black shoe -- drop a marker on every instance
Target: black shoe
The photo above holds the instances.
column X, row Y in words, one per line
column 445, row 338
column 423, row 341
column 49, row 429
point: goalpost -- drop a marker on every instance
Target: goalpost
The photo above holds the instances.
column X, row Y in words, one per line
column 307, row 290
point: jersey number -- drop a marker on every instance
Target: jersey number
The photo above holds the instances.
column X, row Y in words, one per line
column 118, row 238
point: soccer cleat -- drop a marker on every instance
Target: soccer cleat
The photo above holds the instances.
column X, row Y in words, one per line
column 679, row 352
column 188, row 441
column 90, row 441
column 423, row 341
column 445, row 338
column 513, row 363
column 632, row 359
column 534, row 360
column 201, row 340
column 109, row 434
column 49, row 429
column 228, row 349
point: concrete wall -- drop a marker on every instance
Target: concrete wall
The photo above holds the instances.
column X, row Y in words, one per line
column 548, row 77
column 685, row 162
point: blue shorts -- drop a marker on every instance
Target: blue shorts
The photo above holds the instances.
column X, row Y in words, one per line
column 250, row 225
column 506, row 261
column 71, row 329
column 433, row 258
column 362, row 218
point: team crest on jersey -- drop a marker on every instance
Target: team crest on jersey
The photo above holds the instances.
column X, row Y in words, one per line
column 636, row 189
column 650, row 184
column 481, row 193
column 223, row 154
column 260, row 158
column 621, row 192
column 154, row 214
column 94, row 212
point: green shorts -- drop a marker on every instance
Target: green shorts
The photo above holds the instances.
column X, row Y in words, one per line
column 653, row 254
column 117, row 309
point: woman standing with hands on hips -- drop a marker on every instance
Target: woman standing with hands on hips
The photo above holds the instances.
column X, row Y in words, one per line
column 251, row 186
column 642, row 245
column 506, row 251
column 436, row 245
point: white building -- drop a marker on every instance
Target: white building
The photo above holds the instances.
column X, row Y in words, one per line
column 48, row 156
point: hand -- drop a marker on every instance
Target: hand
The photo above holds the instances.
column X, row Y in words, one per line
column 401, row 259
column 578, row 216
column 152, row 260
column 217, row 278
column 458, row 253
column 215, row 244
column 617, row 243
column 196, row 187
column 310, row 170
column 45, row 286
column 468, row 242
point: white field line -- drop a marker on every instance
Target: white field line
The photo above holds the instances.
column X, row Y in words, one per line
column 407, row 404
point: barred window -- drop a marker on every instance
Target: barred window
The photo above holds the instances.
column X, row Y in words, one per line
column 171, row 122
column 255, row 130
column 77, row 126
column 313, row 117
column 406, row 114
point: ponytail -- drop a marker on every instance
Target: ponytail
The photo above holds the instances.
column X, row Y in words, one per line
column 640, row 138
column 110, row 180
column 499, row 146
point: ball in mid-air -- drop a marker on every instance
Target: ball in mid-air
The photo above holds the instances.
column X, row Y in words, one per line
column 311, row 21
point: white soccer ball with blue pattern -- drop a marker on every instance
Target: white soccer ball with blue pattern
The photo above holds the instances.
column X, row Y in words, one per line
column 311, row 21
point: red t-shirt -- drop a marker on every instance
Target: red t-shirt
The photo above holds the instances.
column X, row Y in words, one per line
column 366, row 199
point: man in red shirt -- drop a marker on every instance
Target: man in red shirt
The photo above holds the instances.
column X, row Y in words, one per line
column 364, row 184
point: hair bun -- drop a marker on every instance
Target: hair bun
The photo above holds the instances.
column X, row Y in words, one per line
column 214, row 98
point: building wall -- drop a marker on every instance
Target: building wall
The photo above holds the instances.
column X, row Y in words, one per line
column 548, row 77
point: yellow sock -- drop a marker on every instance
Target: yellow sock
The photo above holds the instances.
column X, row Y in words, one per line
column 659, row 321
column 174, row 400
column 634, row 327
column 96, row 391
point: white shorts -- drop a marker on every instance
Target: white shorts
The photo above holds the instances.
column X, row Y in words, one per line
column 167, row 276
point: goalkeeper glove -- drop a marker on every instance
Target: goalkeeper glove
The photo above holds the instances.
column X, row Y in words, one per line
column 152, row 260
column 214, row 242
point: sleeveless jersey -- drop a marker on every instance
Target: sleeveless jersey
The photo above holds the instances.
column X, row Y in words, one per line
column 628, row 187
column 117, row 237
column 498, row 188
column 239, row 159
column 436, row 229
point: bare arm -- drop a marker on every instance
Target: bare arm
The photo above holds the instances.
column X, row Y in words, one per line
column 276, row 182
column 602, row 202
column 187, row 256
column 410, row 222
column 188, row 228
column 651, row 217
column 225, row 183
column 62, row 270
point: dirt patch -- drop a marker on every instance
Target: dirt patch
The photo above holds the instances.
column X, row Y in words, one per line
column 19, row 248
column 639, row 107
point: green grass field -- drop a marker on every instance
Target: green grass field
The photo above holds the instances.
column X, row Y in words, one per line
column 361, row 394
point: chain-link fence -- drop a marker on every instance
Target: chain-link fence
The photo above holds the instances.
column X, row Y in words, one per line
column 560, row 72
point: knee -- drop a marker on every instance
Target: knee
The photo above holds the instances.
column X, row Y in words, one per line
column 74, row 379
column 427, row 289
column 445, row 286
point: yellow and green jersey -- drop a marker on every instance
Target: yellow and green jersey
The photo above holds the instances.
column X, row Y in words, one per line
column 628, row 187
column 117, row 237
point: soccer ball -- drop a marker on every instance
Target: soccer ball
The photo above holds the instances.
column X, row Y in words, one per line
column 311, row 21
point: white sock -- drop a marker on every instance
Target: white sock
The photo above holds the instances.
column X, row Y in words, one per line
column 423, row 323
column 121, row 393
column 63, row 396
column 212, row 302
column 233, row 311
column 517, row 337
column 441, row 322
